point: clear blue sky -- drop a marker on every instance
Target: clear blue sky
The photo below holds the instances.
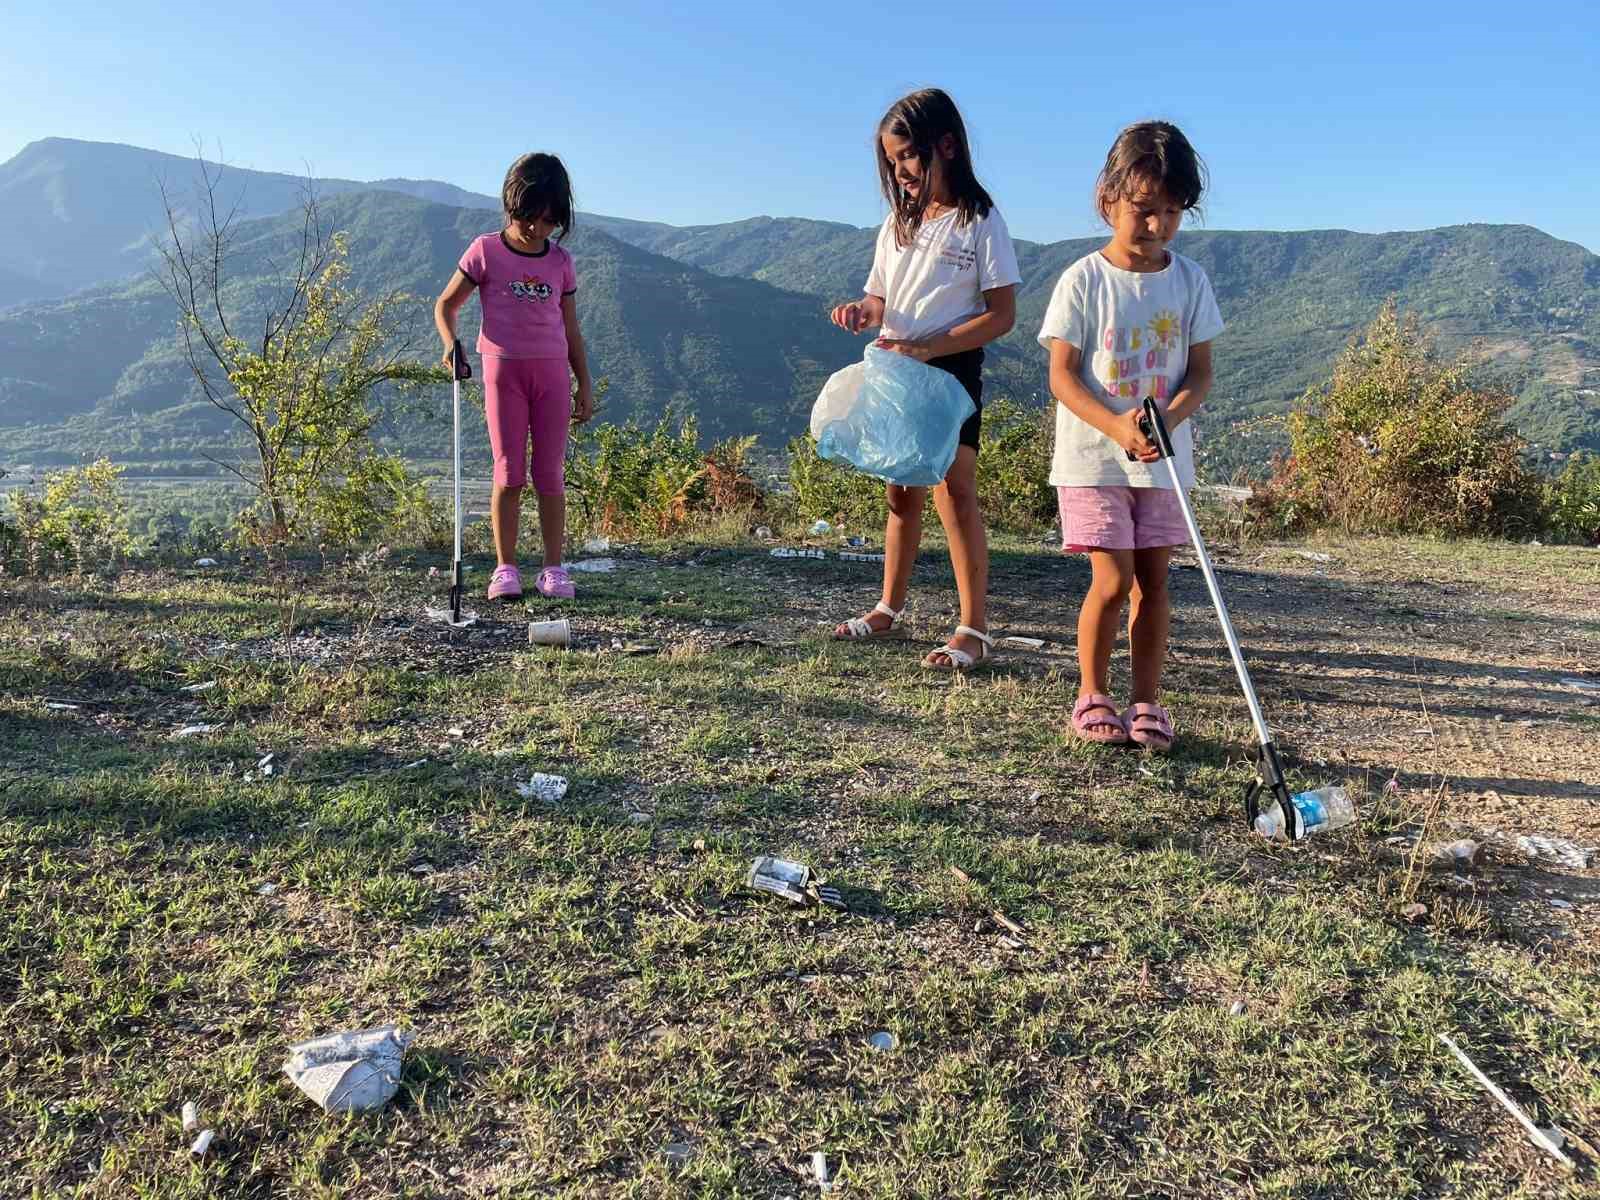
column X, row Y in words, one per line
column 1371, row 117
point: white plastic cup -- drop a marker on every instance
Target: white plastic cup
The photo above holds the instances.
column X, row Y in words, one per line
column 550, row 633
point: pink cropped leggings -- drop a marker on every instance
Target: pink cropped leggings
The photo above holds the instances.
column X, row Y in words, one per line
column 523, row 396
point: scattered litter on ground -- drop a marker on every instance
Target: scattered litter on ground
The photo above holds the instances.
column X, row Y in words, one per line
column 820, row 528
column 883, row 1040
column 1006, row 922
column 849, row 556
column 422, row 868
column 265, row 763
column 678, row 1153
column 1561, row 904
column 206, row 562
column 548, row 788
column 412, row 766
column 200, row 687
column 599, row 545
column 1556, row 850
column 832, row 897
column 1236, row 1009
column 550, row 633
column 819, row 1170
column 1023, row 643
column 59, row 706
column 266, row 889
column 1583, row 685
column 1540, row 1138
column 350, row 1072
column 1460, row 855
column 191, row 1116
column 202, row 1143
column 634, row 648
column 791, row 552
column 639, row 818
column 468, row 616
column 1315, row 556
column 1035, row 796
column 781, row 877
column 595, row 566
column 456, row 731
column 763, row 533
column 195, row 730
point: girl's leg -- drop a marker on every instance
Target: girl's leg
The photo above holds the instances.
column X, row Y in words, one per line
column 1111, row 581
column 506, row 408
column 551, row 381
column 957, row 501
column 1149, row 621
column 902, row 536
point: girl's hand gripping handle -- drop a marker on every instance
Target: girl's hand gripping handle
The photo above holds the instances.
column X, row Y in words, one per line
column 456, row 360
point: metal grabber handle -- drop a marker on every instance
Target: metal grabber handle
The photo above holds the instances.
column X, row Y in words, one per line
column 460, row 369
column 1269, row 770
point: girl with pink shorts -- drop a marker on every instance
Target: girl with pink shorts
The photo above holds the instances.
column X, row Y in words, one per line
column 531, row 348
column 1130, row 321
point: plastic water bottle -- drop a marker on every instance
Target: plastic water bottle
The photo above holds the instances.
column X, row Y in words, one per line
column 1314, row 812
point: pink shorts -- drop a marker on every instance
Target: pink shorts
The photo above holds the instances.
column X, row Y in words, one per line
column 523, row 396
column 1120, row 518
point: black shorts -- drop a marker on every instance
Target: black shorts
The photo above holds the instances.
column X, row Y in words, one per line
column 968, row 368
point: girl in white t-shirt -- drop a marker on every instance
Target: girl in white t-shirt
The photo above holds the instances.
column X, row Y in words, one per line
column 942, row 286
column 1129, row 321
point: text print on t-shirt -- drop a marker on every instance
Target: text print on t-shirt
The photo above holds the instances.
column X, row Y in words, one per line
column 961, row 258
column 529, row 288
column 1132, row 360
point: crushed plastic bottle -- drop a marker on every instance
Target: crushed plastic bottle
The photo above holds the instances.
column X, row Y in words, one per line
column 1315, row 812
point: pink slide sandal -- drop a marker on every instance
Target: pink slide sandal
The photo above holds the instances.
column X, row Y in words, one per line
column 1150, row 726
column 1095, row 719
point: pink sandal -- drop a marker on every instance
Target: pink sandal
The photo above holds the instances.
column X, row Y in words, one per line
column 1150, row 726
column 1107, row 730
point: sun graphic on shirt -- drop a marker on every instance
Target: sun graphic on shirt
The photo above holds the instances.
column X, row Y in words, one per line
column 1164, row 327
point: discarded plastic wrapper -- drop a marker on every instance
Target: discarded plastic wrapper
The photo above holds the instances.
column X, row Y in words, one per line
column 206, row 562
column 820, row 527
column 892, row 417
column 200, row 687
column 550, row 633
column 598, row 566
column 782, row 878
column 883, row 1040
column 1026, row 643
column 191, row 1117
column 193, row 730
column 1556, row 850
column 789, row 552
column 58, row 706
column 468, row 617
column 350, row 1072
column 850, row 556
column 548, row 788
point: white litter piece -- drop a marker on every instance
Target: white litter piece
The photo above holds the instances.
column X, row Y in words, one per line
column 763, row 533
column 191, row 1117
column 267, row 889
column 1540, row 1139
column 678, row 1153
column 819, row 1168
column 265, row 764
column 58, row 706
column 883, row 1040
column 468, row 617
column 1583, row 685
column 456, row 731
column 1035, row 796
column 548, row 788
column 195, row 730
column 206, row 562
column 412, row 766
column 853, row 556
column 550, row 633
column 1315, row 556
column 1236, row 1009
column 1556, row 850
column 1561, row 904
column 790, row 552
column 820, row 527
column 1026, row 643
column 595, row 566
column 202, row 1143
column 639, row 818
column 200, row 687
column 597, row 545
column 350, row 1072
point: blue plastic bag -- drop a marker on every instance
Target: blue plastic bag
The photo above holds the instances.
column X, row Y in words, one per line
column 893, row 417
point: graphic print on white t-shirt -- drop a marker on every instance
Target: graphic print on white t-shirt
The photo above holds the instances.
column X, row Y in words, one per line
column 938, row 281
column 1134, row 330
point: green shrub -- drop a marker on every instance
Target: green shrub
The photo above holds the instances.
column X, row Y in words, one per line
column 1395, row 442
column 1014, row 449
column 1572, row 501
column 76, row 521
column 832, row 491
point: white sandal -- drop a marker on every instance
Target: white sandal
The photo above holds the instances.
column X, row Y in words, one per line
column 860, row 628
column 960, row 660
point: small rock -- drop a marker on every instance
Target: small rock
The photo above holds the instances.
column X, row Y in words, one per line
column 1414, row 911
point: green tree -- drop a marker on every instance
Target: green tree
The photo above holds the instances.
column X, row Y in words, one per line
column 303, row 379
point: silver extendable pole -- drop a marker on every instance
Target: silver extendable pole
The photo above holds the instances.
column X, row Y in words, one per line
column 457, row 389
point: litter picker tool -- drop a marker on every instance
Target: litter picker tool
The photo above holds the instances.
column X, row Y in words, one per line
column 1269, row 770
column 460, row 369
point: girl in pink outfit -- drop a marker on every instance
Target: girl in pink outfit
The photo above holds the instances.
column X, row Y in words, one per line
column 531, row 348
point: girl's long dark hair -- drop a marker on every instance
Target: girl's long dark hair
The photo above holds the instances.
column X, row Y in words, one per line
column 535, row 185
column 924, row 118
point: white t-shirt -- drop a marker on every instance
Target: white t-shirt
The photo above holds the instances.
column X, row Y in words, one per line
column 1134, row 329
column 938, row 281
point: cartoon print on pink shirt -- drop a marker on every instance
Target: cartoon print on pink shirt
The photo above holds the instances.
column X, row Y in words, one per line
column 529, row 288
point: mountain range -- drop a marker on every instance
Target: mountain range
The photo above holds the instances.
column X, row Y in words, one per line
column 726, row 320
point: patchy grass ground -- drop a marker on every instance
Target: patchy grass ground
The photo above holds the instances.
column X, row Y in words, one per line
column 1191, row 1013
